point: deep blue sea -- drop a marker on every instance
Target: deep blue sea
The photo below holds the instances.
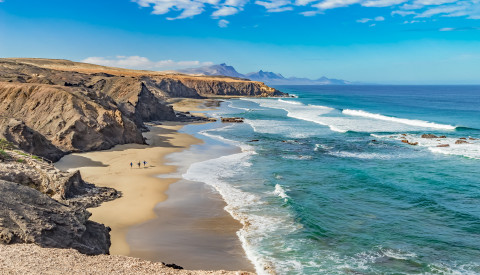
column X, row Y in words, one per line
column 330, row 188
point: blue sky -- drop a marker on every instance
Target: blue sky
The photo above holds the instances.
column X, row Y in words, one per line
column 378, row 41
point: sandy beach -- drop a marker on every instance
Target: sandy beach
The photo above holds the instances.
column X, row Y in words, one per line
column 142, row 190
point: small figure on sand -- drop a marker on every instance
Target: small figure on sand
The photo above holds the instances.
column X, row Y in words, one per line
column 144, row 164
column 131, row 164
column 139, row 164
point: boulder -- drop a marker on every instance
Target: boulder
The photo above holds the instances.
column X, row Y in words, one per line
column 443, row 145
column 461, row 141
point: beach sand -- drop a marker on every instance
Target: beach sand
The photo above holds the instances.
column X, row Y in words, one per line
column 142, row 190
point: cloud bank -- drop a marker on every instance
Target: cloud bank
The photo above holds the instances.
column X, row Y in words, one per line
column 139, row 62
column 181, row 9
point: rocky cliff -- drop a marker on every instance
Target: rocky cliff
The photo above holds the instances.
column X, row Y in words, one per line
column 54, row 107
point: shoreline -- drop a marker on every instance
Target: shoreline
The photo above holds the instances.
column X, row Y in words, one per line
column 143, row 189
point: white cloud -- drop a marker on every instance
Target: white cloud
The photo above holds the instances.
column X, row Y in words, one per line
column 382, row 3
column 403, row 13
column 180, row 9
column 331, row 4
column 365, row 20
column 140, row 62
column 223, row 23
column 310, row 13
column 224, row 11
column 275, row 5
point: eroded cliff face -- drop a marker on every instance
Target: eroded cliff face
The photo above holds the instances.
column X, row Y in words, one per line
column 54, row 107
column 219, row 86
column 71, row 119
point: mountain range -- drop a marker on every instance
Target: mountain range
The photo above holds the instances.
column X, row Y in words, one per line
column 268, row 78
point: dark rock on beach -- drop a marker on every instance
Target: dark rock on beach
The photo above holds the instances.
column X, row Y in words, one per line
column 461, row 141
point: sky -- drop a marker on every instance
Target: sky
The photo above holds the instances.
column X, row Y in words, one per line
column 370, row 41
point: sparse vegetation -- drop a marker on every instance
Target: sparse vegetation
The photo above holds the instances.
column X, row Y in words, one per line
column 6, row 145
column 4, row 155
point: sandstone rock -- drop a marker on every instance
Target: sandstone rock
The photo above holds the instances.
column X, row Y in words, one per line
column 443, row 145
column 461, row 141
column 29, row 216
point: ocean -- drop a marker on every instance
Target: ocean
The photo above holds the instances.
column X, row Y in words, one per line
column 325, row 182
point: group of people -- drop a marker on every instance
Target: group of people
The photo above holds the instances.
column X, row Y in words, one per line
column 139, row 164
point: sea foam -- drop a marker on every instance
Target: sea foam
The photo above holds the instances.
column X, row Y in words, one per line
column 244, row 206
column 412, row 122
column 348, row 120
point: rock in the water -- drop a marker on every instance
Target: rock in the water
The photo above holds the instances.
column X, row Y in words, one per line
column 233, row 119
column 429, row 136
column 443, row 145
column 461, row 141
column 29, row 216
column 410, row 143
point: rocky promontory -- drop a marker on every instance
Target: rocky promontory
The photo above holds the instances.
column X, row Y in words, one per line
column 54, row 107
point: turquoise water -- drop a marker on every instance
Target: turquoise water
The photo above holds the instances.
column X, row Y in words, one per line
column 329, row 188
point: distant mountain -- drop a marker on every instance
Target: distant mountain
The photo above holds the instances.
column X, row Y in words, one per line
column 221, row 69
column 268, row 78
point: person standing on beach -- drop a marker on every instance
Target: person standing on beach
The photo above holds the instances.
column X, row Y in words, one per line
column 131, row 164
column 144, row 164
column 139, row 163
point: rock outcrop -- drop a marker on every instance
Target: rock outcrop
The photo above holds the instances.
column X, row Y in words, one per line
column 54, row 107
column 71, row 119
column 29, row 216
column 28, row 139
column 43, row 205
column 219, row 86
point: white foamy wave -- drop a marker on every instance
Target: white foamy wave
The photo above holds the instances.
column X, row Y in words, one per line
column 343, row 122
column 290, row 102
column 284, row 128
column 242, row 205
column 344, row 154
column 446, row 146
column 243, row 146
column 322, row 146
column 279, row 191
column 299, row 157
column 412, row 122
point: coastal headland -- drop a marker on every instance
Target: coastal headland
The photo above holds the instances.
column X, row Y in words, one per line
column 94, row 119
